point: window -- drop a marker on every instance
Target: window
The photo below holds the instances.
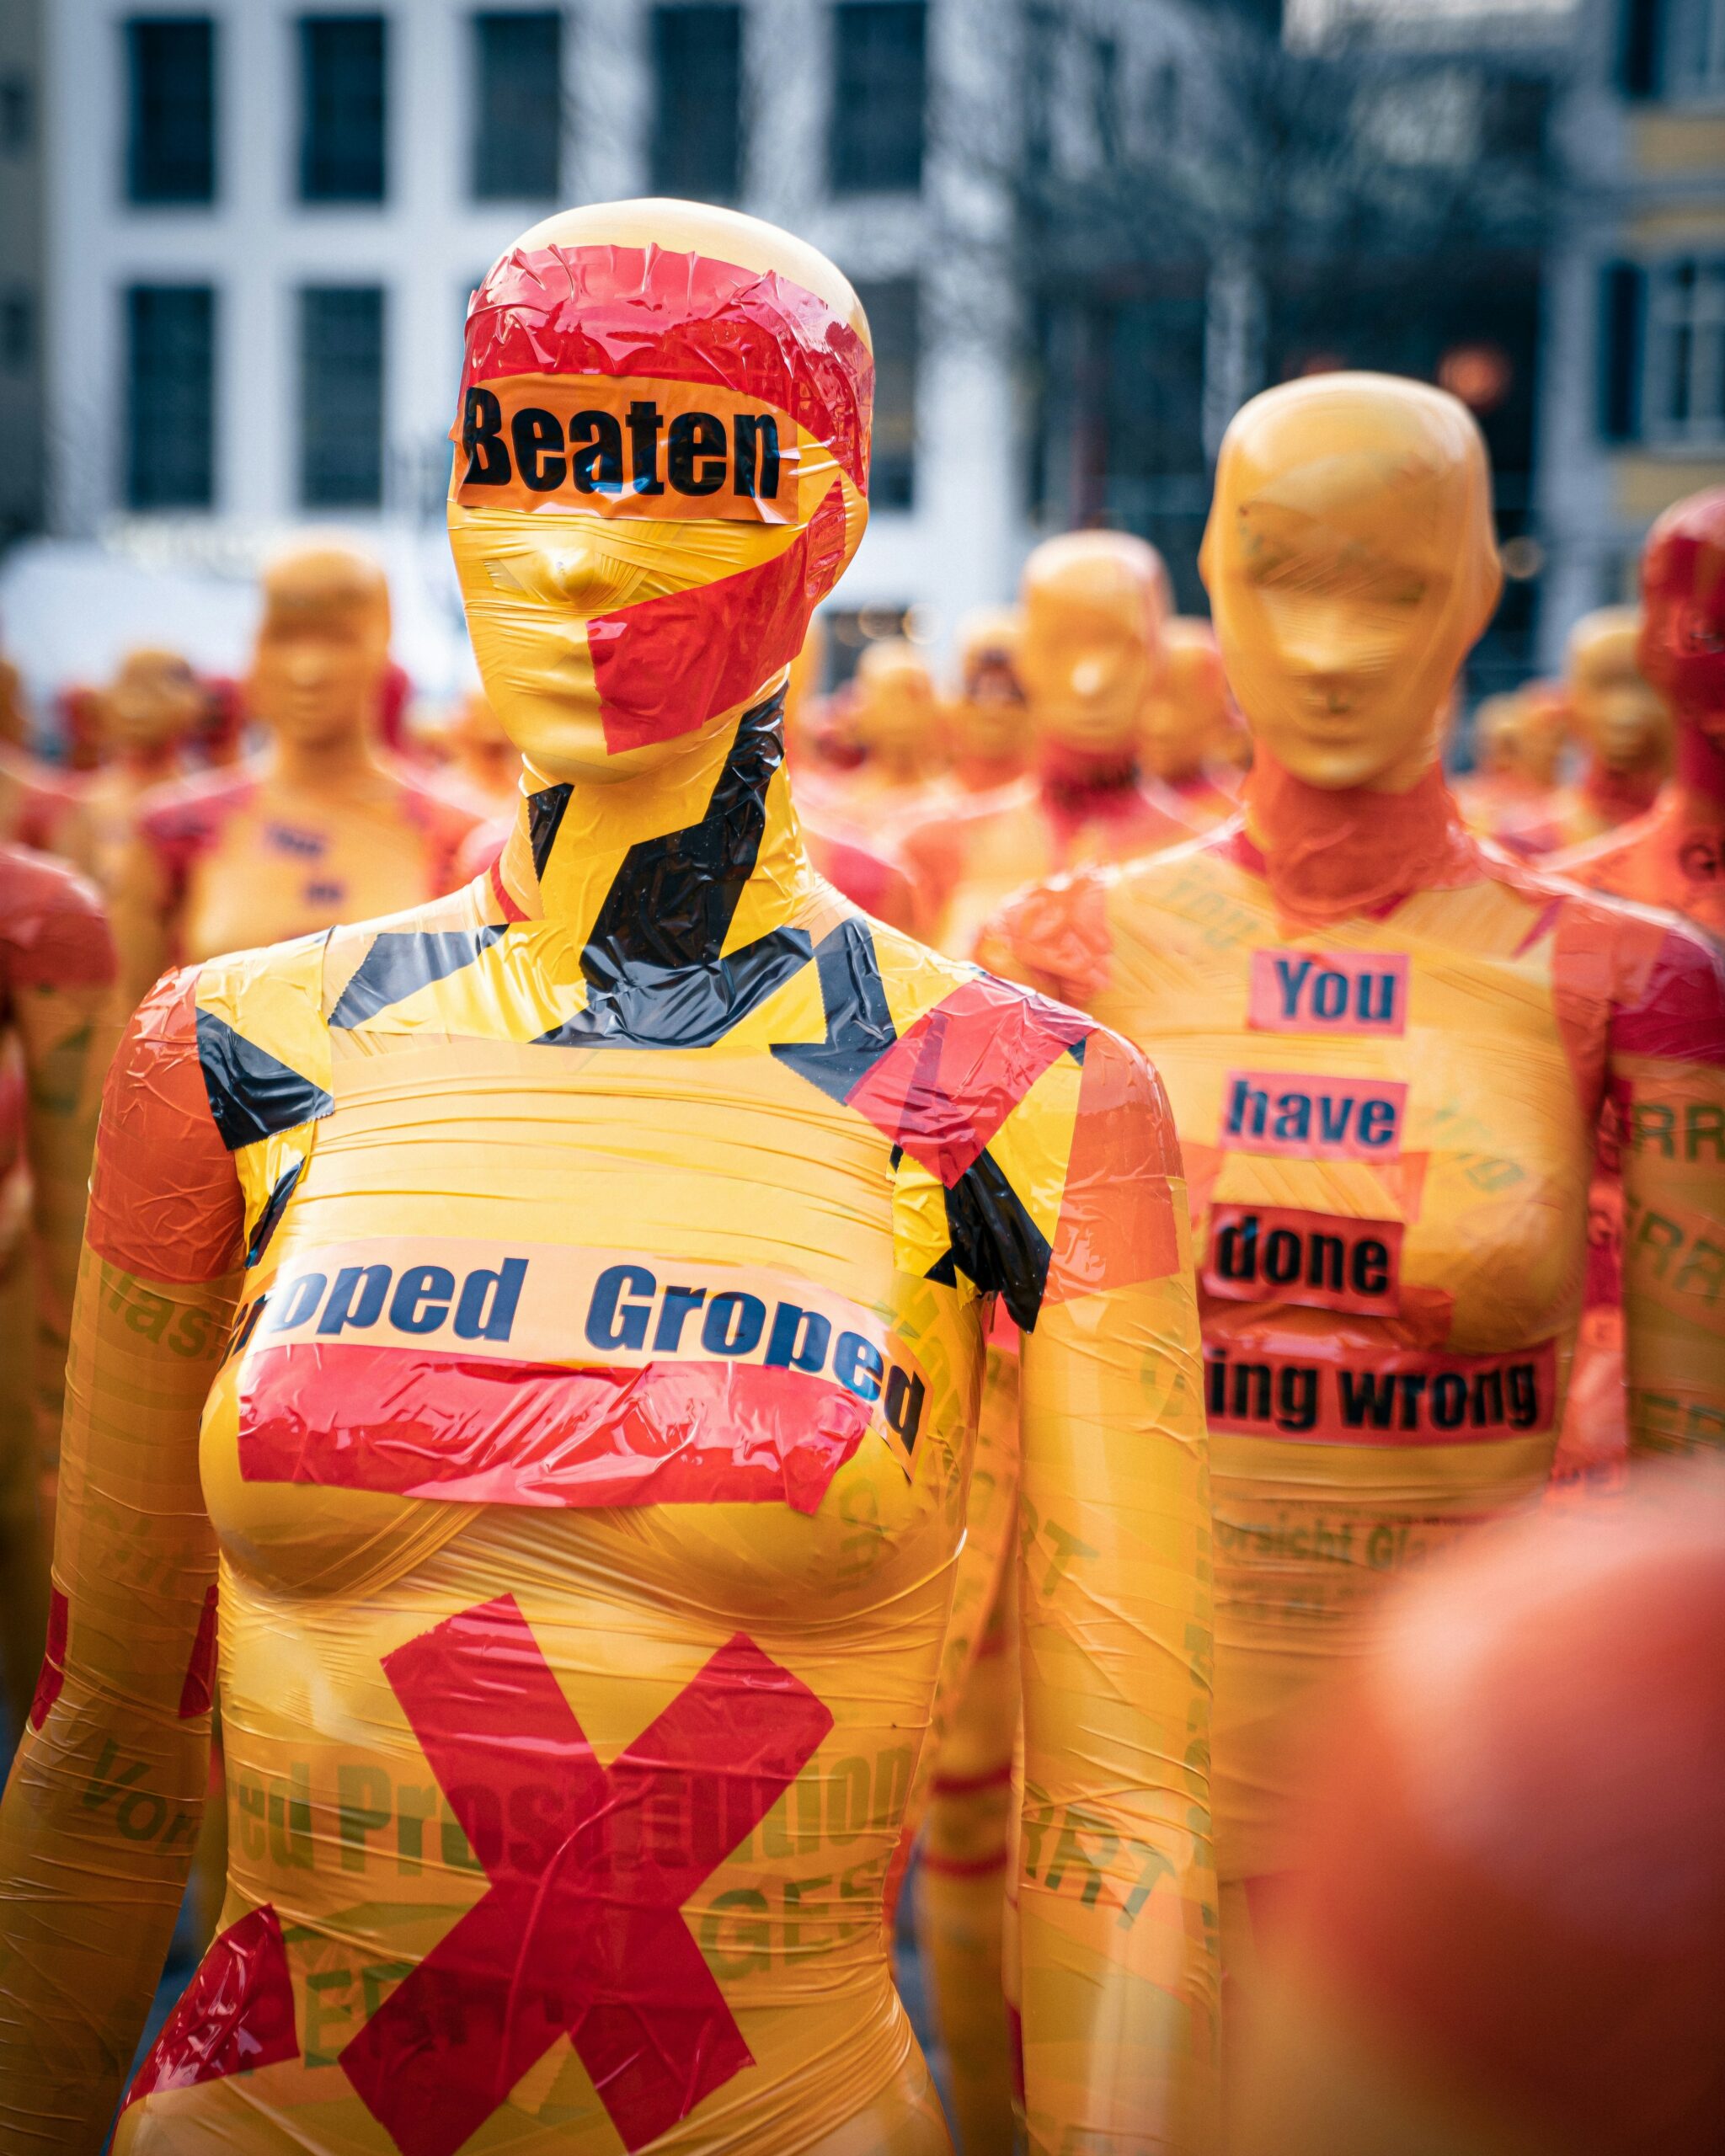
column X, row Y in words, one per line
column 170, row 154
column 17, row 328
column 18, row 114
column 877, row 95
column 1694, row 48
column 341, row 397
column 697, row 120
column 170, row 429
column 342, row 62
column 518, row 106
column 1105, row 88
column 891, row 306
column 1684, row 392
column 1041, row 67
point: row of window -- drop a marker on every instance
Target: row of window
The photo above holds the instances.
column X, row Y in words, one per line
column 171, row 372
column 1662, row 349
column 517, row 106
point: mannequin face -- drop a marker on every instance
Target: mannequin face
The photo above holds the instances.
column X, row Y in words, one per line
column 660, row 468
column 322, row 648
column 1350, row 564
column 1093, row 606
column 896, row 714
column 154, row 702
column 1621, row 717
column 1190, row 715
column 1682, row 649
column 989, row 721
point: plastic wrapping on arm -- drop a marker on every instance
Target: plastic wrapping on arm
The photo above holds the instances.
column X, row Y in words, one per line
column 103, row 1807
column 1116, row 1885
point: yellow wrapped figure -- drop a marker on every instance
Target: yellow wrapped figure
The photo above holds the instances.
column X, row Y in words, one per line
column 1388, row 1050
column 589, row 1275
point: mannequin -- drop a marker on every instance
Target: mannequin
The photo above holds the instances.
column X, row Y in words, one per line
column 148, row 715
column 1093, row 608
column 593, row 1445
column 1518, row 745
column 894, row 717
column 319, row 830
column 37, row 809
column 1388, row 1051
column 56, row 980
column 1190, row 723
column 483, row 762
column 1626, row 727
column 987, row 736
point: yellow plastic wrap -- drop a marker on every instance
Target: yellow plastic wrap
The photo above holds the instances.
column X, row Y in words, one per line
column 588, row 1455
column 1387, row 1051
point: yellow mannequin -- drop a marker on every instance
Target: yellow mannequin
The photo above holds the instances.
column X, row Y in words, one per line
column 1191, row 726
column 1622, row 722
column 317, row 831
column 988, row 730
column 587, row 1473
column 1092, row 607
column 1391, row 1235
column 894, row 718
column 485, row 763
column 148, row 714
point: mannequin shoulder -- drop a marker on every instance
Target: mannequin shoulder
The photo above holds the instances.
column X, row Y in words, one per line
column 53, row 928
column 195, row 808
column 1619, row 861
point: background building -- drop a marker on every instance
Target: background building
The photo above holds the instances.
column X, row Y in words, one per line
column 22, row 470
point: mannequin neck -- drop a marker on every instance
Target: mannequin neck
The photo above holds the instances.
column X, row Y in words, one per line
column 1700, row 774
column 1327, row 851
column 1620, row 793
column 145, row 763
column 1069, row 773
column 669, row 857
column 331, row 765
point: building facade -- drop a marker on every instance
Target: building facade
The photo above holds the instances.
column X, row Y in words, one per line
column 266, row 220
column 23, row 471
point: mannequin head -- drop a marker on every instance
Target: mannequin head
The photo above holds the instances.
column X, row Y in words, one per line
column 987, row 720
column 483, row 753
column 321, row 649
column 1682, row 647
column 660, row 470
column 1351, row 565
column 895, row 712
column 1190, row 716
column 1520, row 735
column 153, row 703
column 1623, row 720
column 1093, row 604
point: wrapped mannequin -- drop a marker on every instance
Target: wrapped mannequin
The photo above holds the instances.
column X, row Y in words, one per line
column 1190, row 725
column 37, row 809
column 586, row 1458
column 988, row 739
column 1093, row 608
column 1388, row 1051
column 1625, row 725
column 1673, row 856
column 483, row 762
column 148, row 714
column 1542, row 1710
column 1518, row 745
column 893, row 715
column 57, row 978
column 316, row 832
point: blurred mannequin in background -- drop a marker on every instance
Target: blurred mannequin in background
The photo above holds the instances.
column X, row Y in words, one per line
column 893, row 715
column 988, row 732
column 1501, row 1931
column 1191, row 726
column 1518, row 746
column 1090, row 652
column 317, row 830
column 484, row 763
column 148, row 715
column 1624, row 724
column 37, row 808
column 1388, row 1052
column 56, row 981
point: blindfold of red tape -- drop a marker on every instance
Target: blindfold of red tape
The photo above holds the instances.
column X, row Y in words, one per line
column 637, row 311
column 667, row 665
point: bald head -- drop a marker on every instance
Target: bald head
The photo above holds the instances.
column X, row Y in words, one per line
column 323, row 645
column 1093, row 604
column 154, row 701
column 326, row 577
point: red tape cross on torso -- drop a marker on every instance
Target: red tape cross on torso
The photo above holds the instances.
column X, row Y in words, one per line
column 582, row 1929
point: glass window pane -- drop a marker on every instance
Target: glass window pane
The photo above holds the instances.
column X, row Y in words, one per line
column 877, row 95
column 697, row 120
column 341, row 397
column 891, row 304
column 518, row 104
column 341, row 114
column 170, row 429
column 171, row 120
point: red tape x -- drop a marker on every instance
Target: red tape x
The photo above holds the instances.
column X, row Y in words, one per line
column 581, row 1929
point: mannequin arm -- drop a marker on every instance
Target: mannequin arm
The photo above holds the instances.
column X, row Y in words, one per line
column 1667, row 1064
column 101, row 1810
column 1116, row 1886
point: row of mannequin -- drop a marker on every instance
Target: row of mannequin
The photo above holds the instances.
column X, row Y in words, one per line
column 655, row 1389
